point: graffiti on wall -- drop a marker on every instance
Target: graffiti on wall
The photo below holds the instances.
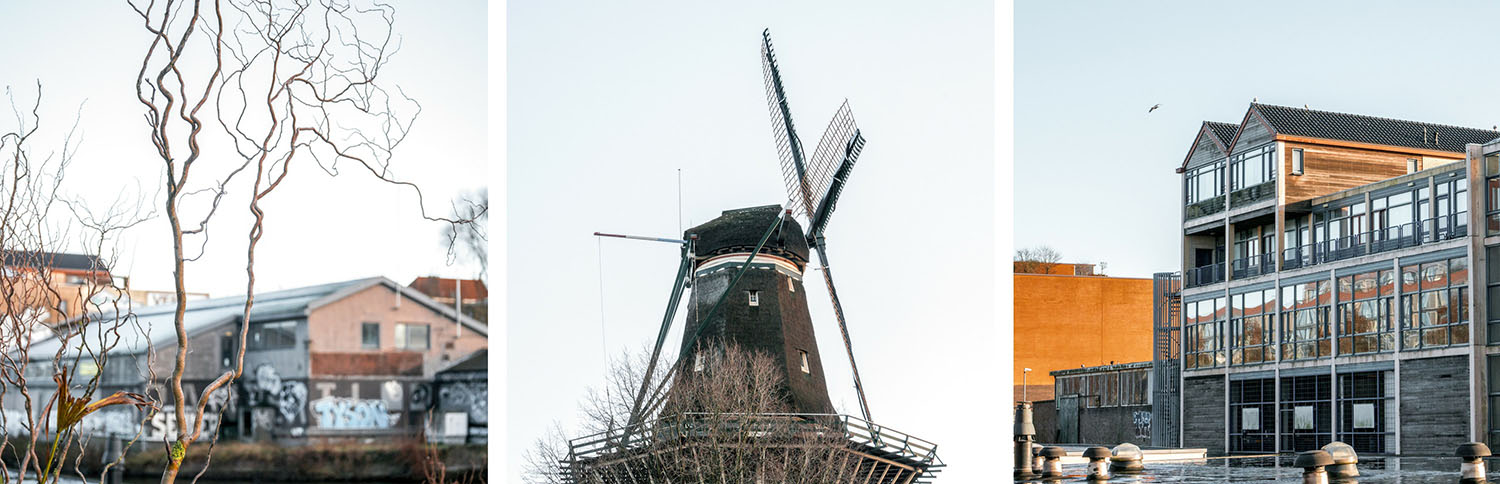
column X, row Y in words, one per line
column 1142, row 420
column 342, row 406
column 350, row 413
column 288, row 398
column 472, row 396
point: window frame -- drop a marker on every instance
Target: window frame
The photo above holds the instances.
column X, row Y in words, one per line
column 364, row 342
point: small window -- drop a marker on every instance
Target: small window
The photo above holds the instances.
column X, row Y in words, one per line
column 75, row 279
column 790, row 286
column 369, row 336
column 411, row 337
column 698, row 362
column 1297, row 161
column 754, row 298
column 805, row 368
column 1411, row 165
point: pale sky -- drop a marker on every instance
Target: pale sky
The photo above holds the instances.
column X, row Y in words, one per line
column 1094, row 172
column 607, row 102
column 318, row 228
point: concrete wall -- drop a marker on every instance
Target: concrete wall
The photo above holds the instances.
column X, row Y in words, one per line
column 1111, row 426
column 334, row 329
column 1434, row 405
column 1044, row 417
column 1064, row 322
column 1203, row 413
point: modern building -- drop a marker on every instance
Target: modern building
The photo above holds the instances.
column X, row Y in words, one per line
column 357, row 358
column 51, row 287
column 1334, row 272
column 1065, row 321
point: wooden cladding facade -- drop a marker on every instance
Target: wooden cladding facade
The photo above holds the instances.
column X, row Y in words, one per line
column 1328, row 169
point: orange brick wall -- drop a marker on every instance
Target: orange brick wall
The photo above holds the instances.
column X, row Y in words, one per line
column 1062, row 322
column 335, row 328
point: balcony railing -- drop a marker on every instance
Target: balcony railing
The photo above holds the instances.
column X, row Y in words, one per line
column 1200, row 276
column 1254, row 265
column 1253, row 193
column 1376, row 241
column 1205, row 207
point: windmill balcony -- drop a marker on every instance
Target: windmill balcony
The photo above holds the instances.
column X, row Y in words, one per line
column 1200, row 276
column 1254, row 265
column 1429, row 231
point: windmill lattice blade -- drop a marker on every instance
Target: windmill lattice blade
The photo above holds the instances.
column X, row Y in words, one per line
column 834, row 158
column 783, row 132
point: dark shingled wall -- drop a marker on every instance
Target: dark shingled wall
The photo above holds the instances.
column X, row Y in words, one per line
column 1203, row 413
column 1434, row 405
column 779, row 325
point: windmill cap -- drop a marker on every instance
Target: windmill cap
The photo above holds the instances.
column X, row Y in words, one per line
column 740, row 229
column 1313, row 458
column 1096, row 453
column 1472, row 450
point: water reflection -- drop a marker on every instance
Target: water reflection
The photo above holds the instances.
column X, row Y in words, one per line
column 1372, row 470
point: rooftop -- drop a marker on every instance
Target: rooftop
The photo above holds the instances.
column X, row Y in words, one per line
column 1358, row 128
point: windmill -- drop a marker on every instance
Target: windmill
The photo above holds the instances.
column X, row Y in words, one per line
column 745, row 269
column 814, row 185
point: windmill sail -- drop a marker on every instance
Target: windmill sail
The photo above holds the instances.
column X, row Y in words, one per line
column 788, row 146
column 830, row 166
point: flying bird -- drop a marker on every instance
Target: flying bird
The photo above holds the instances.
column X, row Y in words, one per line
column 1153, row 108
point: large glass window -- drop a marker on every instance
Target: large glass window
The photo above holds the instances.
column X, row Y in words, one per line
column 1252, row 317
column 1205, row 182
column 1363, row 405
column 1450, row 202
column 1202, row 323
column 1435, row 304
column 1306, row 412
column 411, row 337
column 272, row 336
column 1494, row 395
column 1304, row 321
column 1253, row 167
column 1135, row 387
column 1365, row 312
column 1393, row 218
column 1252, row 425
column 1492, row 193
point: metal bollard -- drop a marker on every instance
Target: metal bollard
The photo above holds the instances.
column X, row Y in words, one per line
column 1098, row 469
column 1052, row 467
column 1473, row 454
column 1312, row 463
column 1025, row 432
column 1344, row 461
column 1126, row 458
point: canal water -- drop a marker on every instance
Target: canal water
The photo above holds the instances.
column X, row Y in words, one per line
column 1372, row 470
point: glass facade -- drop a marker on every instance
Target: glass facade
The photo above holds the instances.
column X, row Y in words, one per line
column 1365, row 312
column 1252, row 423
column 1435, row 302
column 1252, row 319
column 1205, row 182
column 1202, row 324
column 1363, row 404
column 1306, row 412
column 1253, row 167
column 1305, row 332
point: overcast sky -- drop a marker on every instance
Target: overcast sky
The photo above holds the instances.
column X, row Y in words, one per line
column 1094, row 172
column 607, row 102
column 318, row 228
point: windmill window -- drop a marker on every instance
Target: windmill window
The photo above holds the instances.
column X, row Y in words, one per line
column 789, row 286
column 1297, row 161
column 697, row 362
column 754, row 298
column 805, row 368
